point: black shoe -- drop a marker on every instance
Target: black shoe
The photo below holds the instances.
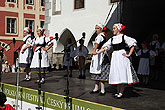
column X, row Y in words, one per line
column 93, row 92
column 70, row 75
column 102, row 94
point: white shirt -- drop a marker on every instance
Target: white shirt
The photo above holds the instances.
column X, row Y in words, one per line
column 84, row 52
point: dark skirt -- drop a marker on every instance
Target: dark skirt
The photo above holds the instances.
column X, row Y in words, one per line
column 104, row 76
column 24, row 65
column 36, row 70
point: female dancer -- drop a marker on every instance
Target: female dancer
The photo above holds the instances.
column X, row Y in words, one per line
column 39, row 42
column 26, row 53
column 121, row 69
column 145, row 55
column 96, row 64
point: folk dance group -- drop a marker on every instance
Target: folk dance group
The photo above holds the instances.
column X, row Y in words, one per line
column 29, row 57
column 119, row 71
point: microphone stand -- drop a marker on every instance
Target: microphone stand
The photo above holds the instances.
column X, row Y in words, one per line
column 39, row 83
column 17, row 80
column 67, row 98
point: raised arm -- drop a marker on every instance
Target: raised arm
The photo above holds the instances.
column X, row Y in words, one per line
column 101, row 50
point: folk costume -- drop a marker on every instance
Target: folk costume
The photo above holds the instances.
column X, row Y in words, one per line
column 121, row 69
column 41, row 42
column 82, row 53
column 26, row 56
column 145, row 55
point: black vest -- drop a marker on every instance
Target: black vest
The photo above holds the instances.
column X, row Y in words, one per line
column 145, row 55
column 102, row 43
column 42, row 45
column 119, row 46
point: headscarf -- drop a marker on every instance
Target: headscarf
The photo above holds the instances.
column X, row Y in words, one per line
column 40, row 28
column 100, row 25
column 119, row 26
column 27, row 29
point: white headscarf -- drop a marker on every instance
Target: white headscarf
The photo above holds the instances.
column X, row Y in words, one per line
column 119, row 26
column 26, row 29
column 41, row 29
column 100, row 25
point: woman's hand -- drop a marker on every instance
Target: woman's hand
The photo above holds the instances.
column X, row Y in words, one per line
column 126, row 55
column 22, row 51
column 94, row 53
column 45, row 49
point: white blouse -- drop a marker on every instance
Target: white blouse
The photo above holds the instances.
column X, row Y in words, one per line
column 152, row 53
column 118, row 39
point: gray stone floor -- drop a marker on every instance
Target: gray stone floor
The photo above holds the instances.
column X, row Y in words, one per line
column 137, row 97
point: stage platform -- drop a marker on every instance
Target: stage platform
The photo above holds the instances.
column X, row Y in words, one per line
column 137, row 97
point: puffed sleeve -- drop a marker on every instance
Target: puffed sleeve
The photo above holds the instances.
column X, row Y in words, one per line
column 99, row 39
column 152, row 53
column 29, row 41
column 107, row 45
column 130, row 41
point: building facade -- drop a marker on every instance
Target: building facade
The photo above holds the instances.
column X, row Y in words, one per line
column 14, row 16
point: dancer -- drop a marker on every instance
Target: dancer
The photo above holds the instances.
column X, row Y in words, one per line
column 39, row 42
column 155, row 61
column 96, row 63
column 121, row 69
column 25, row 55
column 143, row 69
column 82, row 53
column 68, row 62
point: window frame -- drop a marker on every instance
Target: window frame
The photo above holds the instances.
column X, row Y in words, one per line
column 14, row 1
column 54, row 11
column 29, row 2
column 33, row 30
column 42, row 3
column 79, row 5
column 41, row 23
column 15, row 26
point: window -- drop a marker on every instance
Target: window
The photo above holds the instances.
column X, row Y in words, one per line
column 11, row 0
column 30, row 2
column 42, row 24
column 30, row 24
column 12, row 25
column 78, row 4
column 42, row 2
column 56, row 7
column 113, row 1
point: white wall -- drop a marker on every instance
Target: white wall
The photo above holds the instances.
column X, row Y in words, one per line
column 79, row 20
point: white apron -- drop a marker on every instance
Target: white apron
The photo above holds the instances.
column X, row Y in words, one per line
column 44, row 60
column 25, row 58
column 96, row 62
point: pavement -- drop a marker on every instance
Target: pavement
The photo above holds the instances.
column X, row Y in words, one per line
column 136, row 97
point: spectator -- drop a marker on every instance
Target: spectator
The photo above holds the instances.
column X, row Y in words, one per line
column 6, row 67
column 4, row 106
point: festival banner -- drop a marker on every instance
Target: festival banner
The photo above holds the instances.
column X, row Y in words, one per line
column 28, row 98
